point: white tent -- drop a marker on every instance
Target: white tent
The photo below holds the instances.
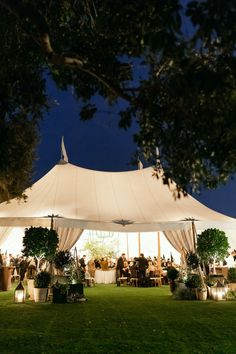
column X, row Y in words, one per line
column 77, row 198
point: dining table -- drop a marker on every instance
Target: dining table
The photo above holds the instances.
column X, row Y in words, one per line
column 105, row 276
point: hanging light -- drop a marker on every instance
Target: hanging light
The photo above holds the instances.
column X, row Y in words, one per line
column 19, row 294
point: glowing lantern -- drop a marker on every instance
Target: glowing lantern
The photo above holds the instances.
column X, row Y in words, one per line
column 19, row 295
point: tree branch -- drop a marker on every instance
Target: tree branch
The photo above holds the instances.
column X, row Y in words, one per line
column 20, row 11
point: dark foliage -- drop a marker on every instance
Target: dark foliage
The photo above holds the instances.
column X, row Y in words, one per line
column 169, row 64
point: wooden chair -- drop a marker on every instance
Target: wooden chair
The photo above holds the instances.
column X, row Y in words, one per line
column 134, row 277
column 123, row 280
column 89, row 280
column 157, row 279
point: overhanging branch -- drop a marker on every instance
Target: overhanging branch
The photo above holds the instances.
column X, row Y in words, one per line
column 21, row 11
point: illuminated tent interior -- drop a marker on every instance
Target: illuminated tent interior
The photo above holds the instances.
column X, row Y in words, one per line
column 76, row 199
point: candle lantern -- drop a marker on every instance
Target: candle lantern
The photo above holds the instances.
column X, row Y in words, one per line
column 19, row 294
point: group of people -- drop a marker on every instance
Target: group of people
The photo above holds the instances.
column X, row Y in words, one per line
column 20, row 264
column 140, row 267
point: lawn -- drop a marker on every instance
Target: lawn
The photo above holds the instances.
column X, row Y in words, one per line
column 118, row 320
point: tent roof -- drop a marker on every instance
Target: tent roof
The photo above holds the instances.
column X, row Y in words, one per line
column 112, row 201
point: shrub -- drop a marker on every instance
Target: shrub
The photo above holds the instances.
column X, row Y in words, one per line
column 193, row 281
column 184, row 294
column 42, row 280
column 62, row 259
column 172, row 273
column 192, row 260
column 232, row 275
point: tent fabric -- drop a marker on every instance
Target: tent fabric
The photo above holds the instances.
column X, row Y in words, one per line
column 132, row 201
column 67, row 237
column 74, row 198
column 181, row 240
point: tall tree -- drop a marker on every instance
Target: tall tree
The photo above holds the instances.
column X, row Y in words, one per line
column 169, row 65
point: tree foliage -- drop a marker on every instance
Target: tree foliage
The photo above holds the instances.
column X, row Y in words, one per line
column 167, row 64
column 212, row 244
column 40, row 242
column 97, row 250
column 62, row 259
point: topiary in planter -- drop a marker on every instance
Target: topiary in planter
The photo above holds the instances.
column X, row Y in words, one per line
column 40, row 242
column 212, row 245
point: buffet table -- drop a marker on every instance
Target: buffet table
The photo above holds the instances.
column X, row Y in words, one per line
column 105, row 276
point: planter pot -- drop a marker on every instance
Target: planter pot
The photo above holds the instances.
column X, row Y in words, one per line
column 75, row 292
column 58, row 297
column 40, row 294
column 201, row 295
column 30, row 288
column 219, row 293
column 6, row 274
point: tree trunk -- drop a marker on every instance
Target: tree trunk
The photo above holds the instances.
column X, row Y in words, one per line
column 214, row 266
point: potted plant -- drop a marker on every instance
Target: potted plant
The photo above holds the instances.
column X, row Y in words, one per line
column 39, row 243
column 62, row 260
column 76, row 282
column 201, row 292
column 212, row 245
column 60, row 291
column 41, row 283
column 172, row 275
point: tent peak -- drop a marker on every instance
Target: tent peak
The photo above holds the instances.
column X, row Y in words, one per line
column 62, row 162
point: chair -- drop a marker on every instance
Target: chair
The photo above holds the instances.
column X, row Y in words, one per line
column 122, row 280
column 134, row 277
column 89, row 280
column 157, row 279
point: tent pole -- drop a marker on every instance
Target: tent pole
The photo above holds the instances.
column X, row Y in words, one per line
column 159, row 254
column 139, row 244
column 194, row 236
column 51, row 222
column 127, row 244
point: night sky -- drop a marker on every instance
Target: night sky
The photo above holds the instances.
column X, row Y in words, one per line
column 99, row 144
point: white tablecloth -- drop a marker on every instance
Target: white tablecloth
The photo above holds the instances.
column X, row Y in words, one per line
column 105, row 276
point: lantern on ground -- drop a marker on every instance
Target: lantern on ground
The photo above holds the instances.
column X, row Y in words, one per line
column 19, row 294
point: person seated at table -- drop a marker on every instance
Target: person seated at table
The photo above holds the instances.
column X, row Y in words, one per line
column 126, row 274
column 104, row 263
column 97, row 264
column 111, row 263
column 151, row 270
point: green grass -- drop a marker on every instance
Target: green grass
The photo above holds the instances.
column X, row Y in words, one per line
column 118, row 320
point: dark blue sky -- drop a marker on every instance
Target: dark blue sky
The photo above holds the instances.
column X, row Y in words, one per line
column 99, row 144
